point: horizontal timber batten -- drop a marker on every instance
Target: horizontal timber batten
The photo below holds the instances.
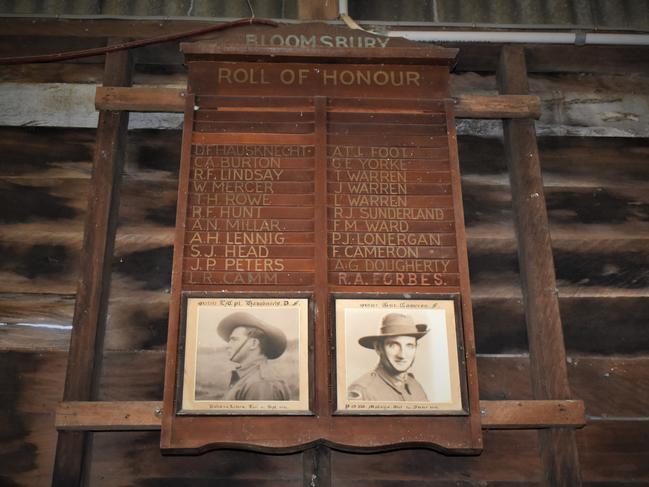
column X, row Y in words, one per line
column 141, row 99
column 145, row 415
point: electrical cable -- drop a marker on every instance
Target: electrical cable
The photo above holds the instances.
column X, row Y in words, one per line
column 67, row 56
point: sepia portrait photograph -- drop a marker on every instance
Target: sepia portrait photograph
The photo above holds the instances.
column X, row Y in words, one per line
column 245, row 355
column 398, row 356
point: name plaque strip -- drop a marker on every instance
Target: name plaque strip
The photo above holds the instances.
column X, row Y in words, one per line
column 220, row 185
column 376, row 150
column 252, row 138
column 232, row 152
column 211, row 278
column 249, row 265
column 399, row 174
column 249, row 225
column 252, row 212
column 387, row 119
column 400, row 198
column 387, row 140
column 248, row 199
column 390, row 226
column 394, row 279
column 242, row 198
column 387, row 189
column 271, row 173
column 256, row 127
column 249, row 251
column 221, row 115
column 370, row 128
column 447, row 266
column 390, row 252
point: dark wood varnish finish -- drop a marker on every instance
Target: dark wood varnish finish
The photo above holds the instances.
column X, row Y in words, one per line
column 354, row 165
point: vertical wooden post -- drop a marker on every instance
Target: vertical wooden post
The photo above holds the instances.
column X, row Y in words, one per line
column 547, row 352
column 86, row 343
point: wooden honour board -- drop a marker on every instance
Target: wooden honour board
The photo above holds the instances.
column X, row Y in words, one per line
column 322, row 170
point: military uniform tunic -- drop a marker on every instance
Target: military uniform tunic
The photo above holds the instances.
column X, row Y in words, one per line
column 379, row 385
column 256, row 382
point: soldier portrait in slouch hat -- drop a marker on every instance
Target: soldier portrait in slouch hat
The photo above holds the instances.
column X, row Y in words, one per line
column 396, row 347
column 246, row 354
column 397, row 356
column 250, row 344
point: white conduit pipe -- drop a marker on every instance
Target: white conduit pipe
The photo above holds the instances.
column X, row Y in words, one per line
column 523, row 37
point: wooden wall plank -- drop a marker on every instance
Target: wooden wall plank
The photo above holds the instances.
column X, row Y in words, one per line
column 587, row 268
column 31, row 384
column 614, row 453
column 119, row 458
column 138, row 376
column 596, row 274
column 34, row 337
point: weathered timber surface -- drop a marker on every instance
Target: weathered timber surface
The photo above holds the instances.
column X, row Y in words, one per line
column 125, row 451
column 138, row 376
column 597, row 255
column 138, row 321
column 564, row 108
column 598, row 239
column 31, row 385
column 509, row 458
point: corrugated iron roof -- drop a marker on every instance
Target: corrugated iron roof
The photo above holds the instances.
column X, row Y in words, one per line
column 610, row 14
